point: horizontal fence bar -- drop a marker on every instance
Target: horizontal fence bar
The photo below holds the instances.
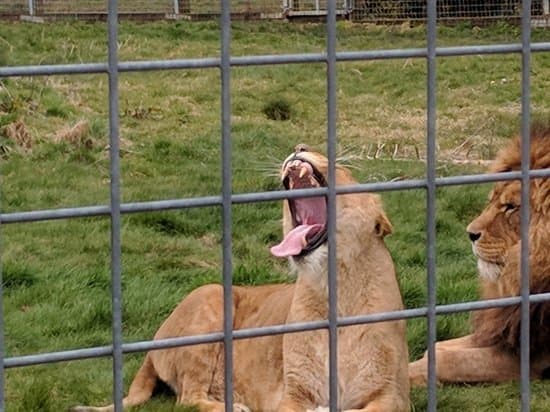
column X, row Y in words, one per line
column 102, row 351
column 206, row 201
column 215, row 62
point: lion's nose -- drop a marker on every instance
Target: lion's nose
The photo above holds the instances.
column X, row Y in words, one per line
column 301, row 147
column 474, row 236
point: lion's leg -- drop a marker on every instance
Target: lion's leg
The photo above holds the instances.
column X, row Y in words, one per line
column 381, row 405
column 191, row 371
column 488, row 364
column 418, row 372
column 387, row 401
column 205, row 405
column 462, row 342
column 187, row 370
column 418, row 375
column 143, row 385
column 469, row 364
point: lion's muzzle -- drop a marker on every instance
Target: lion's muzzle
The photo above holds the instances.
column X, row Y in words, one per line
column 308, row 214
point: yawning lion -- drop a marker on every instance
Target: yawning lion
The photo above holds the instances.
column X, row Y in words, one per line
column 290, row 372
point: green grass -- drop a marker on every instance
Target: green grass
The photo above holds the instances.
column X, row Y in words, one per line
column 57, row 274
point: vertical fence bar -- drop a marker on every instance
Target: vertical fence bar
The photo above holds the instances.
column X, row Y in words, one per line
column 2, row 342
column 331, row 208
column 2, row 352
column 430, row 200
column 115, row 205
column 31, row 8
column 226, row 202
column 524, row 210
column 176, row 7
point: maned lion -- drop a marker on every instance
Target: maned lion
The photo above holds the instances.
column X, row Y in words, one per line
column 491, row 352
column 290, row 372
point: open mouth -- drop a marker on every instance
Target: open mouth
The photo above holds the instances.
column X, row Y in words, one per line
column 309, row 215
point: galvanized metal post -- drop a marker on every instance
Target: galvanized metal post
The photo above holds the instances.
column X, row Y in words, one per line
column 524, row 212
column 227, row 253
column 176, row 7
column 331, row 206
column 2, row 352
column 431, row 201
column 116, row 250
column 31, row 8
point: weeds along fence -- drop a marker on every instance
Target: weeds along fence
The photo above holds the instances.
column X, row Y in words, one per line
column 224, row 62
column 388, row 11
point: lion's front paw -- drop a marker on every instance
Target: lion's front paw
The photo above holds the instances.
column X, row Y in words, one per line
column 418, row 372
column 239, row 407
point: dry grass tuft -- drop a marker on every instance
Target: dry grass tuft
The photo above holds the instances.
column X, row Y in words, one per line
column 76, row 135
column 18, row 133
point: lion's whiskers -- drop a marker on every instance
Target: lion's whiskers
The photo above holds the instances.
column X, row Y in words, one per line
column 269, row 168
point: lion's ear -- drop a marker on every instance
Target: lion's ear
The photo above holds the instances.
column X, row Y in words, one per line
column 383, row 226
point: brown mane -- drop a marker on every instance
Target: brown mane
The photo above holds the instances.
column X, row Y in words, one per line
column 501, row 326
column 509, row 158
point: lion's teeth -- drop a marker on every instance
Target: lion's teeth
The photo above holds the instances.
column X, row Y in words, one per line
column 303, row 172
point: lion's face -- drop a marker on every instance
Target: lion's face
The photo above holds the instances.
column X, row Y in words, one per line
column 496, row 229
column 304, row 220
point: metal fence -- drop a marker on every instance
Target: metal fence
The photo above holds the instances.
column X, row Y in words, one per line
column 224, row 63
column 162, row 8
column 402, row 10
column 359, row 10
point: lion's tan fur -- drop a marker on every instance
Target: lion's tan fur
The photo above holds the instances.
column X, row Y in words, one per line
column 491, row 352
column 290, row 372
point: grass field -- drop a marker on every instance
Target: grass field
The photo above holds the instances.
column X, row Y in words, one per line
column 53, row 142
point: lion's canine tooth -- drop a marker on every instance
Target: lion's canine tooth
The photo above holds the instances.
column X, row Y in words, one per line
column 303, row 171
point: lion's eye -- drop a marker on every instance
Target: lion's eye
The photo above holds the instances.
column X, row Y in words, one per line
column 507, row 207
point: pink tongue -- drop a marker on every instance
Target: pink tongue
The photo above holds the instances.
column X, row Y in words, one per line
column 294, row 241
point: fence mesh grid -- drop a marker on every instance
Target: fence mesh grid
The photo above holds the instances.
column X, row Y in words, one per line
column 113, row 67
column 446, row 9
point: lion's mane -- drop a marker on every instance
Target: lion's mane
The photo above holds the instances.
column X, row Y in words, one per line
column 501, row 326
